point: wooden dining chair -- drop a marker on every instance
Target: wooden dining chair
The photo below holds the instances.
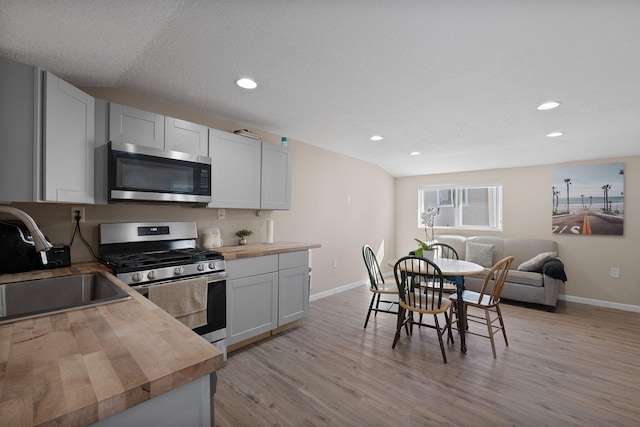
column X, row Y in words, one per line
column 487, row 300
column 446, row 251
column 411, row 272
column 378, row 286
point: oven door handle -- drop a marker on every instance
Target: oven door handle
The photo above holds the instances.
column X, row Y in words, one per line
column 211, row 278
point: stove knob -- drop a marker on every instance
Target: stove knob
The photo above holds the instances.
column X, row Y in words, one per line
column 151, row 275
column 136, row 277
column 178, row 271
column 212, row 265
column 201, row 267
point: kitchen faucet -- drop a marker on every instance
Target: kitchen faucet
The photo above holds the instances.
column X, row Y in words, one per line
column 41, row 242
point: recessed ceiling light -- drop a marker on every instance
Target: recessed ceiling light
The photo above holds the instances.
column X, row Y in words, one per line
column 554, row 134
column 247, row 84
column 376, row 138
column 548, row 105
column 414, row 153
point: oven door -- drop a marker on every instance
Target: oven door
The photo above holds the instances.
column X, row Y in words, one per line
column 215, row 330
column 138, row 173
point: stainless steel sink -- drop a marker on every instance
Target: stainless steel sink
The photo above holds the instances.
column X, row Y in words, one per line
column 41, row 297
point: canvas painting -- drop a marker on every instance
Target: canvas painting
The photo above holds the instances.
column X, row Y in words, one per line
column 588, row 199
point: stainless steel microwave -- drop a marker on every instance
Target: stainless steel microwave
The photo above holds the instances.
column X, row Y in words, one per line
column 139, row 173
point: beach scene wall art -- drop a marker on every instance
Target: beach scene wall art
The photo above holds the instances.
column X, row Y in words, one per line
column 588, row 199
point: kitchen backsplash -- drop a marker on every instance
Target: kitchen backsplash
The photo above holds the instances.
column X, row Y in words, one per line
column 55, row 222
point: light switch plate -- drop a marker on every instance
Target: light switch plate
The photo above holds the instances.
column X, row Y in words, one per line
column 615, row 272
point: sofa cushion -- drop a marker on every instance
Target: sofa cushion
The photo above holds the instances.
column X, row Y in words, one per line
column 480, row 253
column 525, row 278
column 536, row 263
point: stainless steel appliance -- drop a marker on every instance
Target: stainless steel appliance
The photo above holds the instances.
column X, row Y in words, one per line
column 152, row 253
column 139, row 173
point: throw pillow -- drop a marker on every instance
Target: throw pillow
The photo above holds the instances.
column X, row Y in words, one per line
column 536, row 263
column 480, row 253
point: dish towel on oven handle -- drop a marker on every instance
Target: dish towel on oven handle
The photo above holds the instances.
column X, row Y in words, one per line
column 186, row 300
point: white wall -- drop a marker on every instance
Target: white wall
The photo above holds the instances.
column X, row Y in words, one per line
column 527, row 213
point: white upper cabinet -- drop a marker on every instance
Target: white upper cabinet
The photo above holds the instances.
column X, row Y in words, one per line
column 235, row 170
column 68, row 141
column 20, row 133
column 188, row 137
column 133, row 126
column 46, row 136
column 276, row 177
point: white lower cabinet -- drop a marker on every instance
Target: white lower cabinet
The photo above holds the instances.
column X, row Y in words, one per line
column 266, row 292
column 293, row 286
column 252, row 297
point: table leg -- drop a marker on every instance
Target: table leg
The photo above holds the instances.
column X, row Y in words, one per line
column 461, row 323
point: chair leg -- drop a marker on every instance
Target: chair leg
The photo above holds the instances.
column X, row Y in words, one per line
column 448, row 318
column 369, row 312
column 452, row 318
column 490, row 328
column 377, row 306
column 398, row 326
column 440, row 333
column 504, row 331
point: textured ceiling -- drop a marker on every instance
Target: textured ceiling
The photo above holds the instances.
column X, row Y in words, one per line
column 456, row 80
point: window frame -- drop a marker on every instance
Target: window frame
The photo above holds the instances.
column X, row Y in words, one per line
column 458, row 194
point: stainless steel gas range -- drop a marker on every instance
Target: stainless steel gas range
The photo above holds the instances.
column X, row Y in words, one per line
column 144, row 254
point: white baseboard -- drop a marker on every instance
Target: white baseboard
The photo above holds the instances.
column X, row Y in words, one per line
column 343, row 288
column 570, row 298
column 600, row 303
column 337, row 290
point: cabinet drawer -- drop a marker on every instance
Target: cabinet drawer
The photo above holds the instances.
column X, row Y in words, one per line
column 246, row 267
column 293, row 259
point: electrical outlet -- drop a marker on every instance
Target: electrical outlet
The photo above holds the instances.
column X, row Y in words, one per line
column 222, row 214
column 615, row 272
column 73, row 214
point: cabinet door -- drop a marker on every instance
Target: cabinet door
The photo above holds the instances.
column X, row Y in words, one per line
column 188, row 137
column 276, row 177
column 252, row 306
column 20, row 108
column 293, row 294
column 235, row 170
column 67, row 142
column 135, row 126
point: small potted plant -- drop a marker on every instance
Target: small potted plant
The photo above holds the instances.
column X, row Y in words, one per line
column 425, row 249
column 242, row 235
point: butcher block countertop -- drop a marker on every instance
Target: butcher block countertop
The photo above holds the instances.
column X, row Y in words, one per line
column 261, row 249
column 82, row 366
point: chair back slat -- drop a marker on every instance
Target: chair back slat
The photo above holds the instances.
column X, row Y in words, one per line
column 445, row 251
column 497, row 274
column 412, row 273
column 373, row 268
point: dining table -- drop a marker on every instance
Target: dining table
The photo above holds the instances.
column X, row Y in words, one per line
column 453, row 270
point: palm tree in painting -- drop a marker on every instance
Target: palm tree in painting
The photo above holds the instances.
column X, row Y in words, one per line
column 568, row 182
column 606, row 197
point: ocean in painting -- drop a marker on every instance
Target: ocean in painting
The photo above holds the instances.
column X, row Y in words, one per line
column 576, row 204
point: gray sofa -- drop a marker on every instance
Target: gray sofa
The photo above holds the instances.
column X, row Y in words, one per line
column 527, row 286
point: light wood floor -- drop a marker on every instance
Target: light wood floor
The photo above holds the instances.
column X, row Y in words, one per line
column 579, row 366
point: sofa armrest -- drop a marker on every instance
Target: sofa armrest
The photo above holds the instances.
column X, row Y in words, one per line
column 551, row 289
